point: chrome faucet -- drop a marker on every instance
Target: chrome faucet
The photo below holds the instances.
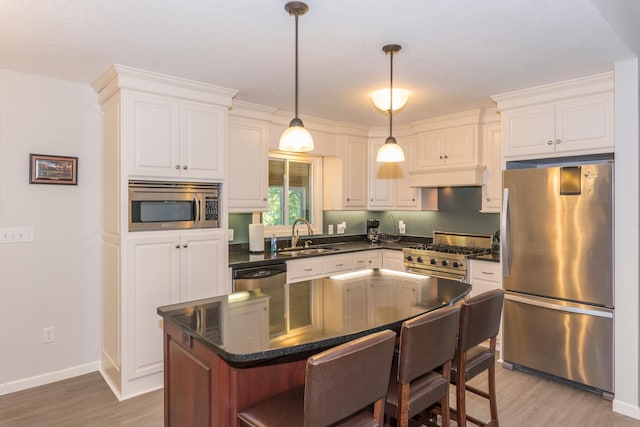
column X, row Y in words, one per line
column 295, row 236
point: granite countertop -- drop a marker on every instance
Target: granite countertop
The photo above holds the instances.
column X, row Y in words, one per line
column 228, row 324
column 240, row 257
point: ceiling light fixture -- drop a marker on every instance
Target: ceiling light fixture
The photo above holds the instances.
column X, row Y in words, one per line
column 296, row 137
column 381, row 99
column 390, row 152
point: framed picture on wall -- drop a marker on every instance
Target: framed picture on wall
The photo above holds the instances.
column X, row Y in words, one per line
column 44, row 169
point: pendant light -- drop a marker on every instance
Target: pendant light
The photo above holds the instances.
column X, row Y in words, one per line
column 390, row 152
column 296, row 137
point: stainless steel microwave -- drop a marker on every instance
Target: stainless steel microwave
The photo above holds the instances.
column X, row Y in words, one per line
column 161, row 205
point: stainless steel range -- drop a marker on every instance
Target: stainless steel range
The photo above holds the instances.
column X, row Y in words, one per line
column 447, row 256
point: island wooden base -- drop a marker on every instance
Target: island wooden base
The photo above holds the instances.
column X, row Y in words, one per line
column 201, row 389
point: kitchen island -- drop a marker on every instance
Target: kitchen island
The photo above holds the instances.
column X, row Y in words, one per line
column 220, row 356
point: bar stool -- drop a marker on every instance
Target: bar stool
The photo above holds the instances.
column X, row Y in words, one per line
column 479, row 322
column 427, row 342
column 340, row 385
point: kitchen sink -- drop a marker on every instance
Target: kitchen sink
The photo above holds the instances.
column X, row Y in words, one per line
column 305, row 251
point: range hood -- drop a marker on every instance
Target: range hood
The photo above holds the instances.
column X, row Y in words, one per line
column 467, row 176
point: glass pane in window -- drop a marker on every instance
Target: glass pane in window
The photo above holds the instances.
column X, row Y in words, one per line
column 299, row 191
column 275, row 216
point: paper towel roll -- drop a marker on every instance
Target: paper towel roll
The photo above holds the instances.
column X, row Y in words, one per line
column 256, row 237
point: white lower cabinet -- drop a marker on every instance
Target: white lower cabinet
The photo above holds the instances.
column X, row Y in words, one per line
column 367, row 259
column 485, row 276
column 392, row 260
column 166, row 268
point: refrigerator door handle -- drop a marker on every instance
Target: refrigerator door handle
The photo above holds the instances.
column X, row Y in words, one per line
column 607, row 313
column 505, row 234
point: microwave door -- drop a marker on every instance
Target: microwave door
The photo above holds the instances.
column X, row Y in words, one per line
column 162, row 211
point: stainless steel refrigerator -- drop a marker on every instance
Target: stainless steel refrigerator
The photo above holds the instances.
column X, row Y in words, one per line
column 557, row 255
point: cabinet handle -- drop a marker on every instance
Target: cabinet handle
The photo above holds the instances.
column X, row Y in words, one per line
column 339, row 265
column 489, row 273
column 184, row 167
column 549, row 142
column 558, row 141
column 308, row 269
column 177, row 166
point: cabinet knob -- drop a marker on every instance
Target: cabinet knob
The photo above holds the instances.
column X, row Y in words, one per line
column 177, row 166
column 446, row 157
column 348, row 199
column 413, row 199
column 185, row 246
column 184, row 167
column 441, row 157
column 549, row 142
column 264, row 199
column 558, row 141
column 488, row 199
column 177, row 246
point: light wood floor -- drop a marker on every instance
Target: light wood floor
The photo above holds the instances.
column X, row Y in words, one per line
column 524, row 400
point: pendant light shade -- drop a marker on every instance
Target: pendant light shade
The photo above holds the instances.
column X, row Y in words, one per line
column 390, row 152
column 296, row 137
column 381, row 99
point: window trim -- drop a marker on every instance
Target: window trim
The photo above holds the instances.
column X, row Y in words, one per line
column 316, row 197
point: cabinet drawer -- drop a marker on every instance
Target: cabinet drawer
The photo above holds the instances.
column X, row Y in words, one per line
column 486, row 270
column 305, row 269
column 337, row 263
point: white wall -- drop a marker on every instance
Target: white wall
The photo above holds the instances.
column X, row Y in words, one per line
column 53, row 281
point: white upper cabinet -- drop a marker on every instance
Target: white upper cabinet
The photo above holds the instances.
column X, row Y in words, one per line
column 171, row 138
column 389, row 182
column 455, row 146
column 447, row 151
column 345, row 177
column 492, row 159
column 563, row 119
column 248, row 175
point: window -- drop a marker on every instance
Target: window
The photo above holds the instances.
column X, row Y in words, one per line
column 294, row 192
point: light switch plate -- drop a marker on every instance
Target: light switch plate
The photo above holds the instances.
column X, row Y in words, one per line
column 16, row 234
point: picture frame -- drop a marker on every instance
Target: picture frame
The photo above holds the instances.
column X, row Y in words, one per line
column 46, row 169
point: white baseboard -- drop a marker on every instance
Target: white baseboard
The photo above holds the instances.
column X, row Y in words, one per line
column 624, row 408
column 48, row 378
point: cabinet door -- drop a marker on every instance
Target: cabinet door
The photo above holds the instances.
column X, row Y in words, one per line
column 393, row 260
column 585, row 124
column 528, row 131
column 430, row 147
column 248, row 166
column 461, row 147
column 152, row 132
column 203, row 141
column 203, row 262
column 382, row 180
column 355, row 307
column 355, row 172
column 153, row 270
column 492, row 188
column 406, row 197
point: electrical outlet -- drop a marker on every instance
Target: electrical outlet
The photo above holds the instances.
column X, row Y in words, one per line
column 48, row 334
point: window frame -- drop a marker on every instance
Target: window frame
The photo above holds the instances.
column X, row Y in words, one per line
column 316, row 196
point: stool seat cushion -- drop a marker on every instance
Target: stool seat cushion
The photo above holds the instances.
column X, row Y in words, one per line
column 479, row 359
column 425, row 390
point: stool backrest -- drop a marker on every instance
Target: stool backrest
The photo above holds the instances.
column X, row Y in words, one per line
column 480, row 318
column 427, row 342
column 345, row 379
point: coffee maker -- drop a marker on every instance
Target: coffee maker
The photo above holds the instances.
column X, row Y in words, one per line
column 372, row 230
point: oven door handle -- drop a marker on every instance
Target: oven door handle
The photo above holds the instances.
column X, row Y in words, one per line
column 196, row 210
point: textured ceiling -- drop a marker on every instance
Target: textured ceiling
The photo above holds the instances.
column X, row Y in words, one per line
column 455, row 53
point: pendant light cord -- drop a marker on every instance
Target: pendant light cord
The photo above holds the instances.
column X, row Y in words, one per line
column 296, row 79
column 391, row 97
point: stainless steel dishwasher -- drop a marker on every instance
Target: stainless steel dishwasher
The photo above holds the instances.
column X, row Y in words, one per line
column 267, row 280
